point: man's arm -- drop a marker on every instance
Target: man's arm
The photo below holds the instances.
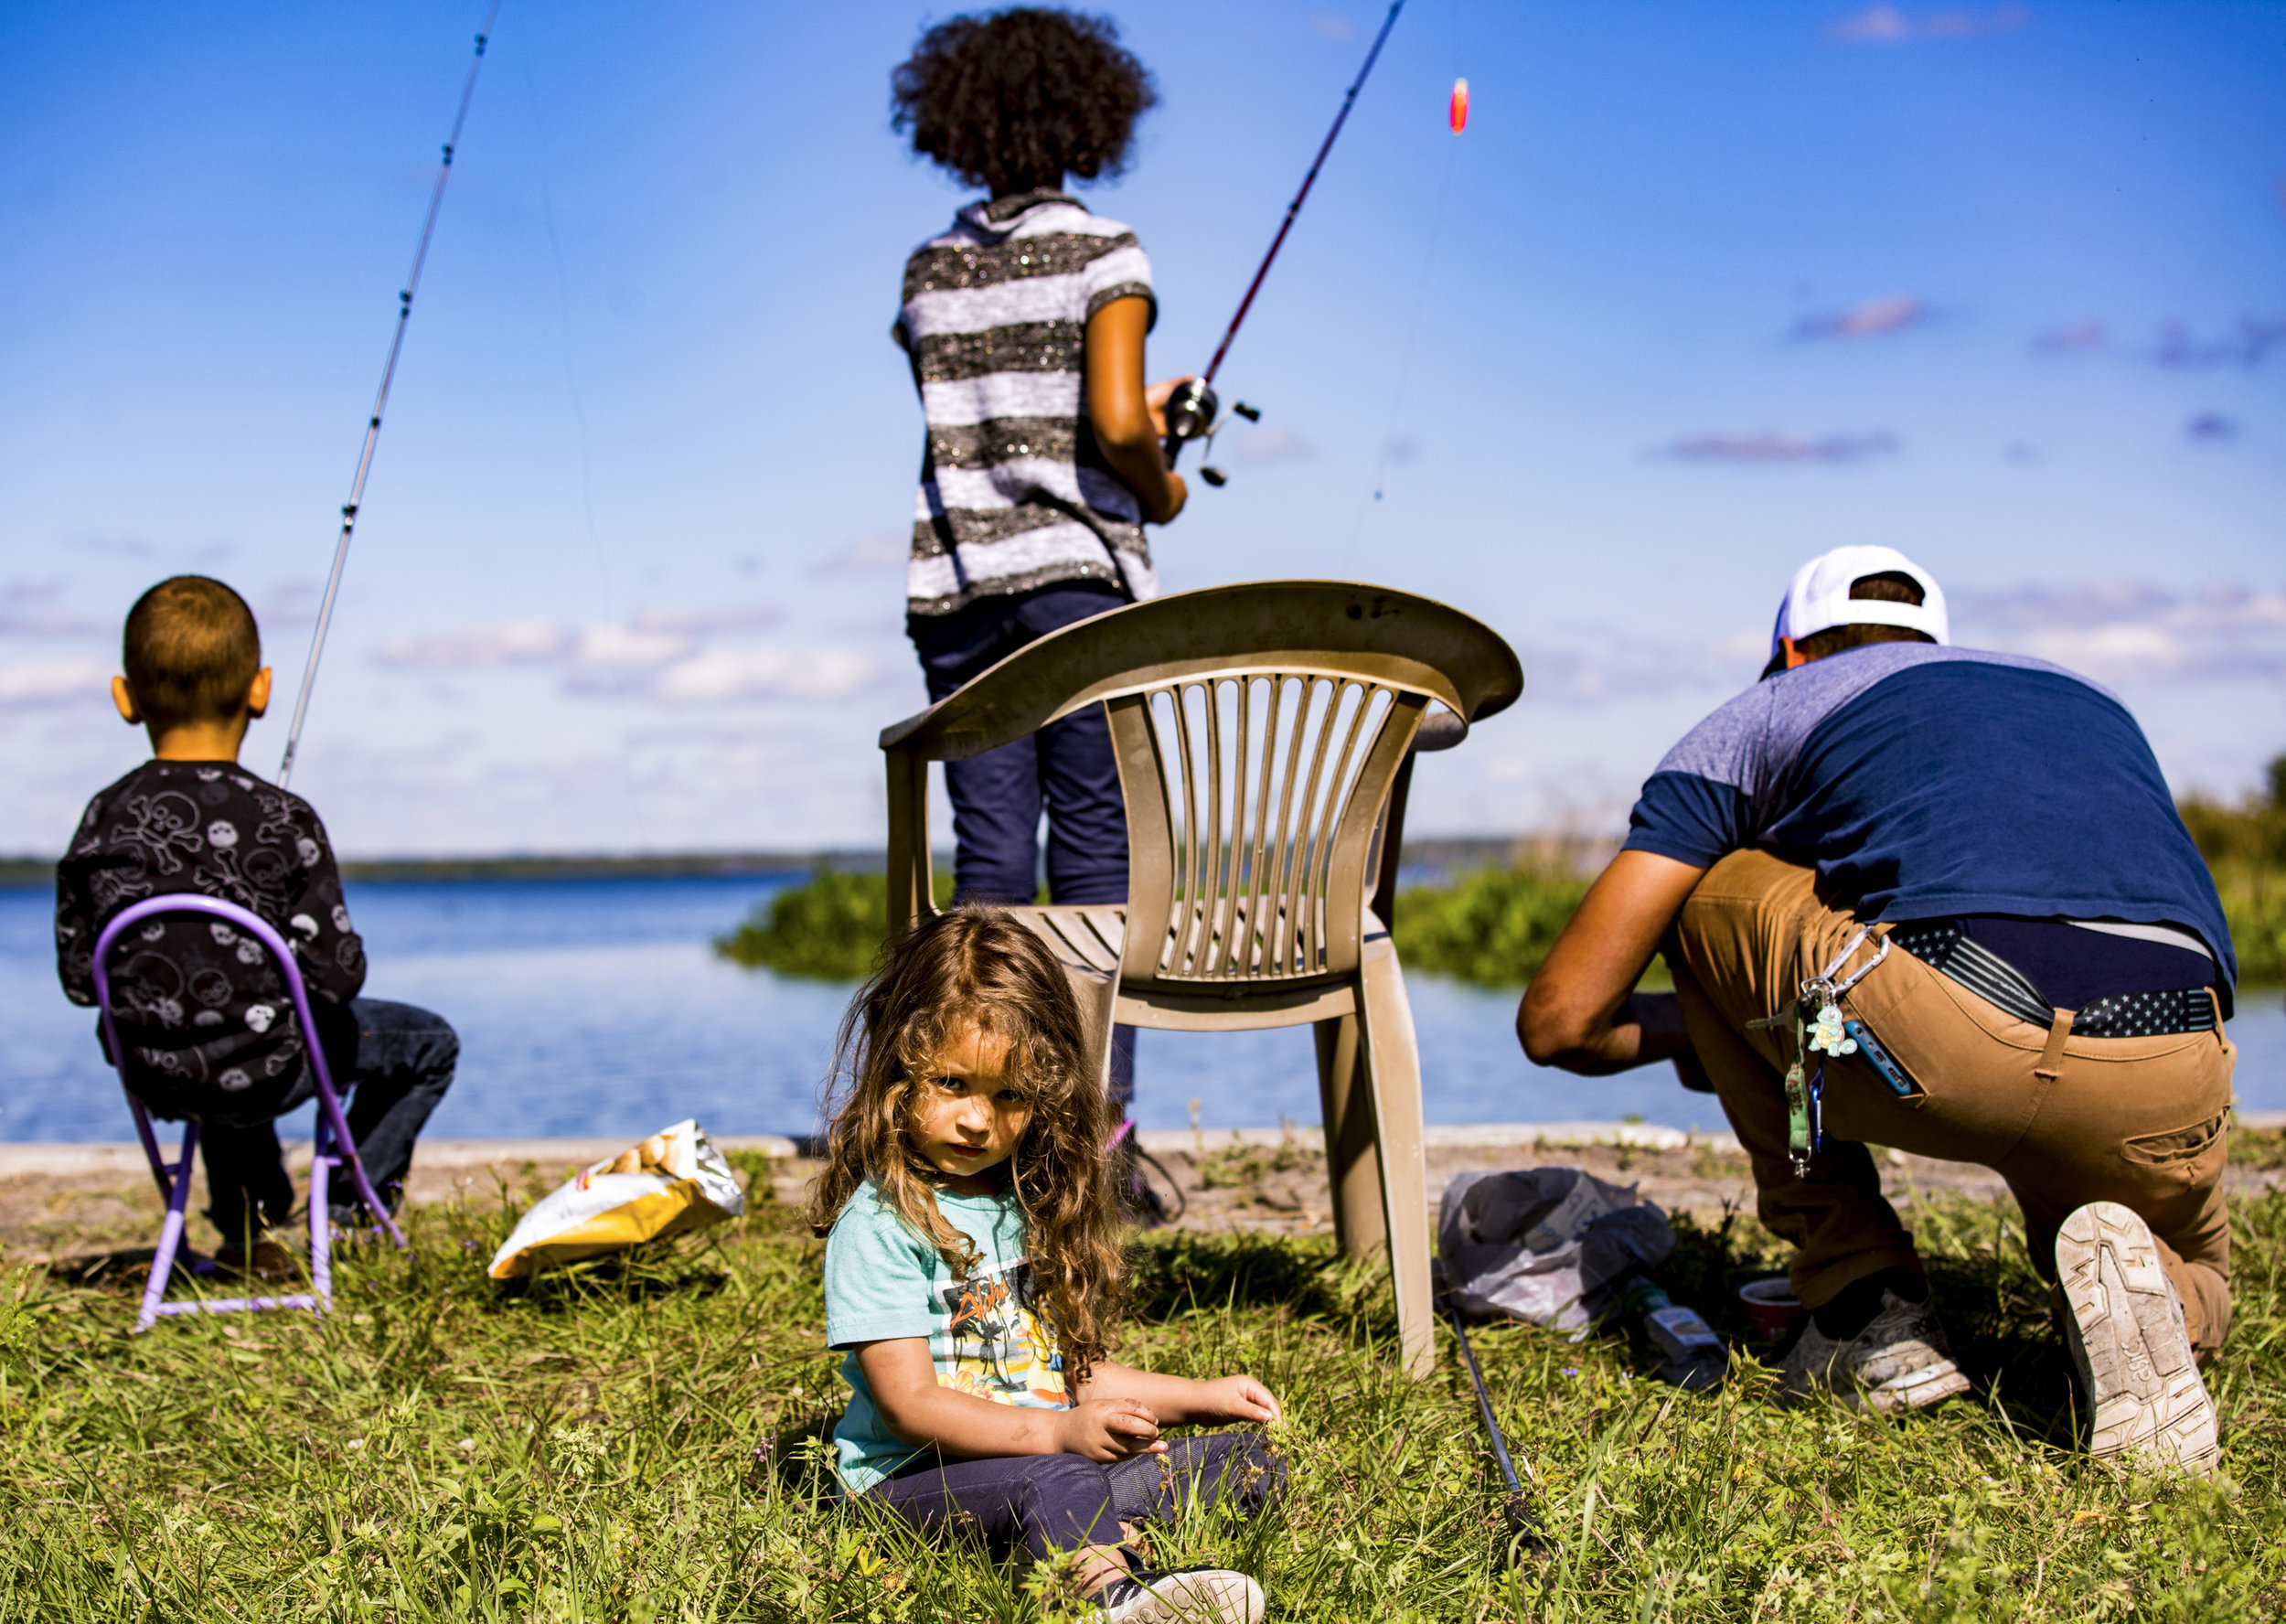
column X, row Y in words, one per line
column 1581, row 1012
column 1125, row 415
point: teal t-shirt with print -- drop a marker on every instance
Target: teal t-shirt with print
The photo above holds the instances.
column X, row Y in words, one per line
column 987, row 1335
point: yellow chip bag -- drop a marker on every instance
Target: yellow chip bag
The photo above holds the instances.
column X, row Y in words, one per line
column 674, row 1180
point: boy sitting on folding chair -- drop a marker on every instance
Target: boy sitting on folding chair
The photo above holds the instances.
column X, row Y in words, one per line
column 210, row 1032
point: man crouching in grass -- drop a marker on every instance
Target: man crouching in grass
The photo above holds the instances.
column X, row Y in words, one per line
column 1940, row 900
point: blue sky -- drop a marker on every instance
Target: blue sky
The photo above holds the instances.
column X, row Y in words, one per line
column 1704, row 289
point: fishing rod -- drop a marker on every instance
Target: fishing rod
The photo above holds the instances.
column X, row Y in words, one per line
column 1524, row 1533
column 1191, row 411
column 381, row 401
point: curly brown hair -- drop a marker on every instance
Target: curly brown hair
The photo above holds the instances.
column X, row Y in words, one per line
column 978, row 966
column 1014, row 100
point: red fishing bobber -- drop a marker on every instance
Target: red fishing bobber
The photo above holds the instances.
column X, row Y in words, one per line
column 1461, row 105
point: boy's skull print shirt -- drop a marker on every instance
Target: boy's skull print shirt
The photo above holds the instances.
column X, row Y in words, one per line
column 203, row 1014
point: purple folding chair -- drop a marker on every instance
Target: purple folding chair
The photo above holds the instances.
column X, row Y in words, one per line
column 174, row 1179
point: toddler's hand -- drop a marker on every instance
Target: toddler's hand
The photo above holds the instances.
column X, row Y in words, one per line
column 1242, row 1398
column 1110, row 1429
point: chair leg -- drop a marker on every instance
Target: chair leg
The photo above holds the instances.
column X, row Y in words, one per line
column 321, row 1214
column 1352, row 1152
column 1099, row 998
column 171, row 1231
column 1393, row 1067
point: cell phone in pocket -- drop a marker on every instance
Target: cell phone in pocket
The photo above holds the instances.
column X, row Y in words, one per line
column 1884, row 1064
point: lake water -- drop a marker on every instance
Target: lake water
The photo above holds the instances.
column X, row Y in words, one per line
column 597, row 1007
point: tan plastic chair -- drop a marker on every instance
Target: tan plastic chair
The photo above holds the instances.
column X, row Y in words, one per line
column 1260, row 732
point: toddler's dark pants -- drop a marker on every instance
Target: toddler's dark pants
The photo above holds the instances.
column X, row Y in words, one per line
column 1067, row 769
column 2064, row 1121
column 397, row 1069
column 1059, row 1502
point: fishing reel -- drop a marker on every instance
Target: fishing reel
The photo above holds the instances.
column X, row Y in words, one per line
column 1191, row 415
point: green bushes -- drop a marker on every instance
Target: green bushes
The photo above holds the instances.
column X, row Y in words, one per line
column 828, row 928
column 2246, row 846
column 1492, row 927
column 1495, row 927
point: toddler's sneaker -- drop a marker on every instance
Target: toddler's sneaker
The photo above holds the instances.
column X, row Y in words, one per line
column 1898, row 1362
column 1183, row 1596
column 2126, row 1333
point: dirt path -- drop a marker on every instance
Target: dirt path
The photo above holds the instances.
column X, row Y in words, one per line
column 58, row 1201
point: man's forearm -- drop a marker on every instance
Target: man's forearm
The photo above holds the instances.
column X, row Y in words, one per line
column 1645, row 1029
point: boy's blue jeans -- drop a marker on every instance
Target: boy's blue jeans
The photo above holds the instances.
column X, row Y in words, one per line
column 1066, row 769
column 400, row 1066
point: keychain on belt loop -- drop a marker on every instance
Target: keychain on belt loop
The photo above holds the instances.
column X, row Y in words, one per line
column 1816, row 1019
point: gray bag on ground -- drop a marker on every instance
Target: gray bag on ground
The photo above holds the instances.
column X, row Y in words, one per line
column 1549, row 1244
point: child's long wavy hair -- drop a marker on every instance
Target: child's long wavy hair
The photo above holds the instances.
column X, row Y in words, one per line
column 977, row 965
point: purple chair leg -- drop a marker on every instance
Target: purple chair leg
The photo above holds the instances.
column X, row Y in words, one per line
column 171, row 1234
column 321, row 1213
column 331, row 1120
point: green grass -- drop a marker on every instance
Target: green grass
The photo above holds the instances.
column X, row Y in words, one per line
column 588, row 1448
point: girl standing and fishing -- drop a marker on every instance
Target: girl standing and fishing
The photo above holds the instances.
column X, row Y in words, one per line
column 973, row 1263
column 1024, row 327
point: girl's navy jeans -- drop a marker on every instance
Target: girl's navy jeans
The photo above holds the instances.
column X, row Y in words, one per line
column 1048, row 1503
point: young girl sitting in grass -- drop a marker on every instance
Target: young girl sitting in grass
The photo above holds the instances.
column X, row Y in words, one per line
column 973, row 1274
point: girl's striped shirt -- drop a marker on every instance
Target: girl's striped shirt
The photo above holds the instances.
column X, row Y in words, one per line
column 1015, row 493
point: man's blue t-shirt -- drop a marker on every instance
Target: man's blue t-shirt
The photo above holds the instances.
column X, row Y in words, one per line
column 1924, row 782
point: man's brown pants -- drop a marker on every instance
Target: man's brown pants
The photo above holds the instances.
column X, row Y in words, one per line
column 2064, row 1121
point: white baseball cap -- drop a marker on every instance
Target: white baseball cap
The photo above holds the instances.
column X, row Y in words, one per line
column 1819, row 598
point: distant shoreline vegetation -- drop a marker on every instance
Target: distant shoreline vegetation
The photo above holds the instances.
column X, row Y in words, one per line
column 1499, row 905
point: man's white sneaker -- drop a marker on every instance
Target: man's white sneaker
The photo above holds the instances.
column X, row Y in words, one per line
column 1898, row 1362
column 2128, row 1338
column 1185, row 1595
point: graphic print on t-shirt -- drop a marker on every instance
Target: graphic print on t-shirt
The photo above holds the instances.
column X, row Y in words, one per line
column 996, row 1343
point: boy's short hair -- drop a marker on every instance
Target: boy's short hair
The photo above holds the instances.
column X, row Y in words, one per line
column 1016, row 99
column 191, row 650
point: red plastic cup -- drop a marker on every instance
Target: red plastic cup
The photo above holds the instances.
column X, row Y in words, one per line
column 1772, row 1304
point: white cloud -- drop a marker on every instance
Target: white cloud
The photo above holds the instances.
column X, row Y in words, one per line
column 1885, row 24
column 1776, row 447
column 1274, row 445
column 736, row 617
column 2129, row 630
column 1606, row 667
column 649, row 637
column 532, row 640
column 25, row 684
column 1869, row 318
column 628, row 648
column 33, row 609
column 721, row 676
column 875, row 552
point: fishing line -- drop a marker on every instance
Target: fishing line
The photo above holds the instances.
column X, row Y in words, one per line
column 1404, row 355
column 1420, row 301
column 587, row 475
column 1190, row 411
column 381, row 401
